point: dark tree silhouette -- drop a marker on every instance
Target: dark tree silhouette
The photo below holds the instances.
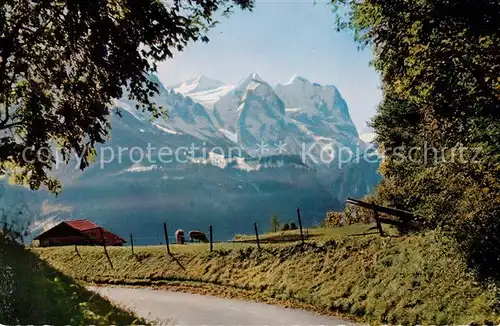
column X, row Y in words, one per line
column 62, row 63
column 440, row 68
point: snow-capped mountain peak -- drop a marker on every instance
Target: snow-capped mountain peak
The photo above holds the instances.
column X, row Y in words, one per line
column 257, row 78
column 296, row 79
column 253, row 78
column 368, row 137
column 312, row 99
column 196, row 85
column 253, row 112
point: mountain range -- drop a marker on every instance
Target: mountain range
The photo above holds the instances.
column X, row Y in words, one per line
column 238, row 154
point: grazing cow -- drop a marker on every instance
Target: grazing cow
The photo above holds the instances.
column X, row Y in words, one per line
column 179, row 236
column 199, row 236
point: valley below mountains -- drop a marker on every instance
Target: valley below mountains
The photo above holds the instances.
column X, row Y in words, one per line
column 226, row 155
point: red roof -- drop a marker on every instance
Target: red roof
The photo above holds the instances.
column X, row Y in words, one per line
column 82, row 225
column 109, row 238
column 87, row 229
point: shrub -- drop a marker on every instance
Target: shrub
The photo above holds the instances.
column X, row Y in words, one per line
column 275, row 223
column 351, row 215
column 355, row 214
column 334, row 219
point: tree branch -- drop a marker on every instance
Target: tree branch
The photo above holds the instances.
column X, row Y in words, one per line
column 12, row 125
column 6, row 53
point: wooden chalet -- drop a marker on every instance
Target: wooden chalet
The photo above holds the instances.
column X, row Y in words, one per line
column 78, row 232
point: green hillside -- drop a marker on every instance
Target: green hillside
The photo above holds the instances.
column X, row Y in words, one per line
column 32, row 292
column 405, row 280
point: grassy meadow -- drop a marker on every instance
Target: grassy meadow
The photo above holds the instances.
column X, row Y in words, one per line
column 415, row 279
column 316, row 234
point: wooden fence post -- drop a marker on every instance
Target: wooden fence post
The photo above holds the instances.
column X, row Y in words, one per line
column 300, row 225
column 105, row 250
column 132, row 243
column 405, row 225
column 211, row 239
column 256, row 234
column 77, row 252
column 379, row 225
column 166, row 236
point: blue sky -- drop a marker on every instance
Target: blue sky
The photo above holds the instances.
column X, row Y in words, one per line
column 277, row 40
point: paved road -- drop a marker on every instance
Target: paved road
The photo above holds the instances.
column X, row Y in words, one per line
column 176, row 308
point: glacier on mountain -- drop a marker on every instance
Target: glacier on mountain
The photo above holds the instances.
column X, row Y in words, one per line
column 203, row 90
column 196, row 85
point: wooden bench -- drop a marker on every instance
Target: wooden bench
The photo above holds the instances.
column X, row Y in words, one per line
column 407, row 221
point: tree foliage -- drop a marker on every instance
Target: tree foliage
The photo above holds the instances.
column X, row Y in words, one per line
column 62, row 62
column 275, row 223
column 440, row 68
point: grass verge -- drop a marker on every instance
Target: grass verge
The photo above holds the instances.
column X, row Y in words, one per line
column 317, row 234
column 408, row 280
column 32, row 292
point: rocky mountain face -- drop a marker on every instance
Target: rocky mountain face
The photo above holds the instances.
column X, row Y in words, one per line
column 226, row 156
